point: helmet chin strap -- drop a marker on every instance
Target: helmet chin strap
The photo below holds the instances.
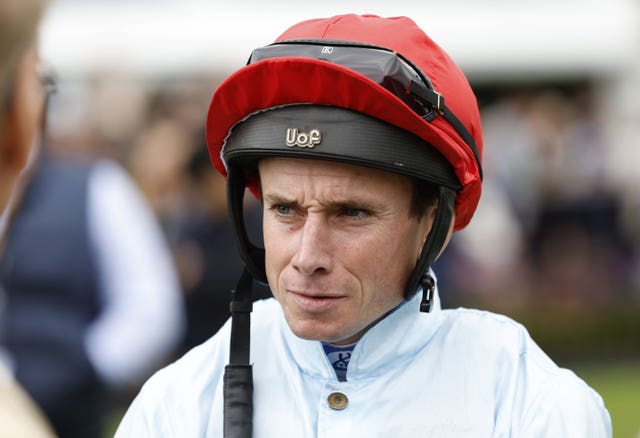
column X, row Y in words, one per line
column 252, row 256
column 238, row 374
column 431, row 249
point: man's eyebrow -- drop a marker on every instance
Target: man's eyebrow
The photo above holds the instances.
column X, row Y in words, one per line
column 353, row 203
column 275, row 198
column 338, row 204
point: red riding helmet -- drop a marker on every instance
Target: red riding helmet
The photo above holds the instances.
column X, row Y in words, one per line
column 291, row 79
column 408, row 109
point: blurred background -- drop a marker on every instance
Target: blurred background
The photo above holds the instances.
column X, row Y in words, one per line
column 556, row 241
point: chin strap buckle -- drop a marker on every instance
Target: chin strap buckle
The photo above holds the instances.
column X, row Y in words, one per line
column 428, row 285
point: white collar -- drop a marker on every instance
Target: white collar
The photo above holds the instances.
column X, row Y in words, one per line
column 393, row 340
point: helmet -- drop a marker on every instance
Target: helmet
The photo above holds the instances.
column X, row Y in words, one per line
column 364, row 90
column 410, row 110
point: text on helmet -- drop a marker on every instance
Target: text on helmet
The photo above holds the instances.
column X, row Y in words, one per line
column 303, row 139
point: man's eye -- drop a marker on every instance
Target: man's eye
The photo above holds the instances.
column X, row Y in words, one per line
column 354, row 212
column 282, row 210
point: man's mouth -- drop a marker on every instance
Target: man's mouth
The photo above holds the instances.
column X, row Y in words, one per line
column 314, row 303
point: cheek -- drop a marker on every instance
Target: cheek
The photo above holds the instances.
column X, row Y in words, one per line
column 276, row 255
column 393, row 259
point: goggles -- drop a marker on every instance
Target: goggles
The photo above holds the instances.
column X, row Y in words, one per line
column 385, row 67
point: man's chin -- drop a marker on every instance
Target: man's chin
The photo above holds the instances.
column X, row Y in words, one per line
column 313, row 331
column 337, row 337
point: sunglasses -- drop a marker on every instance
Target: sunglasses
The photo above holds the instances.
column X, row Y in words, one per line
column 390, row 69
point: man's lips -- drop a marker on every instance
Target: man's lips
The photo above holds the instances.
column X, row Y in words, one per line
column 314, row 303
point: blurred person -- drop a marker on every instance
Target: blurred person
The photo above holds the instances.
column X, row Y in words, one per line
column 576, row 246
column 21, row 105
column 93, row 301
column 515, row 162
column 159, row 155
column 550, row 159
column 362, row 138
column 205, row 250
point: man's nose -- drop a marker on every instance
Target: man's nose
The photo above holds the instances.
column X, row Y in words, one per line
column 313, row 253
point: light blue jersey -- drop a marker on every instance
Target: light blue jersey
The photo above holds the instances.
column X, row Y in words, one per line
column 449, row 373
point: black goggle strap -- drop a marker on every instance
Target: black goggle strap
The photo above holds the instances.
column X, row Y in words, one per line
column 432, row 246
column 252, row 256
column 238, row 374
column 436, row 101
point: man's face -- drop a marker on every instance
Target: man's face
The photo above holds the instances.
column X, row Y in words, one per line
column 340, row 244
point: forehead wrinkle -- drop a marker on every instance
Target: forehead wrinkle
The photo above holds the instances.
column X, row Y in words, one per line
column 312, row 192
column 309, row 180
column 328, row 182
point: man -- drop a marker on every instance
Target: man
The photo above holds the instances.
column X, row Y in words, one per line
column 363, row 140
column 21, row 105
column 93, row 302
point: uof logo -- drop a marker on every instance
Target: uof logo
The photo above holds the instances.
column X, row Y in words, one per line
column 303, row 139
